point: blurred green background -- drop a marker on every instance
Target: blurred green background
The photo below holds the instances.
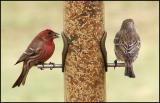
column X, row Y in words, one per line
column 21, row 21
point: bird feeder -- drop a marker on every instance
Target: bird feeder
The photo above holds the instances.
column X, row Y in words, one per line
column 84, row 57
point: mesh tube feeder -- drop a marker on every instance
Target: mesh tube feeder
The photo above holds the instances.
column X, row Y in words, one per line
column 84, row 56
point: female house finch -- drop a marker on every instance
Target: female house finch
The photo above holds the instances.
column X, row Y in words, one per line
column 127, row 45
column 40, row 49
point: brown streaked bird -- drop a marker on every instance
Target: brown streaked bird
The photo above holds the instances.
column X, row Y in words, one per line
column 39, row 50
column 127, row 46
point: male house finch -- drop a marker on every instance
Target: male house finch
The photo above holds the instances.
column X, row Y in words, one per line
column 127, row 45
column 39, row 50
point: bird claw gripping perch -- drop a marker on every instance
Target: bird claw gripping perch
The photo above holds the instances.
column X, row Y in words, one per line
column 42, row 68
column 115, row 62
column 66, row 42
column 103, row 49
column 51, row 64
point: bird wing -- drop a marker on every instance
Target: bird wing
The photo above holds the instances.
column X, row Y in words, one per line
column 116, row 39
column 32, row 50
column 29, row 52
column 119, row 50
column 126, row 45
column 133, row 46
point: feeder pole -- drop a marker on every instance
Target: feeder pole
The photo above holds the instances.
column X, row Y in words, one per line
column 84, row 69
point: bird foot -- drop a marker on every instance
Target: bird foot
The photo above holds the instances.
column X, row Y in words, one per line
column 42, row 68
column 115, row 62
column 52, row 64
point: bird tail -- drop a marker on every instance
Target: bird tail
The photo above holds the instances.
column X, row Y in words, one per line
column 22, row 77
column 129, row 70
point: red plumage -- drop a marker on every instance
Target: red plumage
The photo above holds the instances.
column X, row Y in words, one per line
column 39, row 50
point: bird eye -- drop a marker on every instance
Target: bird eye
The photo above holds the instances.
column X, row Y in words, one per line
column 49, row 33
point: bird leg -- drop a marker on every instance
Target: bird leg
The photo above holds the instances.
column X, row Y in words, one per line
column 42, row 65
column 115, row 62
column 52, row 64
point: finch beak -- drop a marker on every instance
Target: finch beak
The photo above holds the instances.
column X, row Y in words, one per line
column 56, row 35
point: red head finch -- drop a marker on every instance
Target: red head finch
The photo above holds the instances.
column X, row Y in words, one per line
column 127, row 45
column 39, row 50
